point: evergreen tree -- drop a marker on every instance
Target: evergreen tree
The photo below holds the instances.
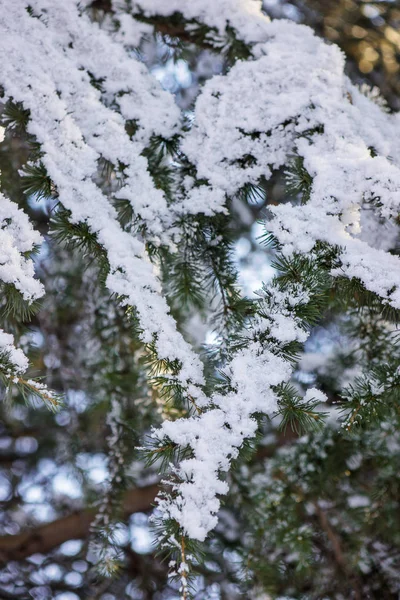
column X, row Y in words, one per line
column 199, row 353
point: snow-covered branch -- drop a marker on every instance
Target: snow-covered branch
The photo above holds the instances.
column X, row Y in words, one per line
column 305, row 107
column 75, row 128
column 255, row 374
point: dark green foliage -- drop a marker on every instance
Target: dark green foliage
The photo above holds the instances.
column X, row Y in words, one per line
column 15, row 116
column 13, row 307
column 12, row 384
column 158, row 153
column 187, row 283
column 373, row 397
column 253, row 194
column 301, row 416
column 298, row 179
column 351, row 292
column 125, row 212
column 36, row 182
column 78, row 235
column 177, row 30
column 313, row 515
column 163, row 454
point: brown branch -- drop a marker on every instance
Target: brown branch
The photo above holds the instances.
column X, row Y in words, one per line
column 75, row 526
column 333, row 538
column 337, row 551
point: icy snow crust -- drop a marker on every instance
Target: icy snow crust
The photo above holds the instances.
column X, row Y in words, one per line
column 292, row 98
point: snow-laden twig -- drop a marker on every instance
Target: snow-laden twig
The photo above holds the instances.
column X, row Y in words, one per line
column 13, row 366
column 216, row 435
column 305, row 107
column 126, row 84
column 50, row 82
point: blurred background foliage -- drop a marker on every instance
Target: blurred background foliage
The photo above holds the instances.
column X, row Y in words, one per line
column 368, row 33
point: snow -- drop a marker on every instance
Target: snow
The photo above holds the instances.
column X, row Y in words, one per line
column 126, row 82
column 358, row 501
column 17, row 237
column 14, row 355
column 315, row 394
column 130, row 31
